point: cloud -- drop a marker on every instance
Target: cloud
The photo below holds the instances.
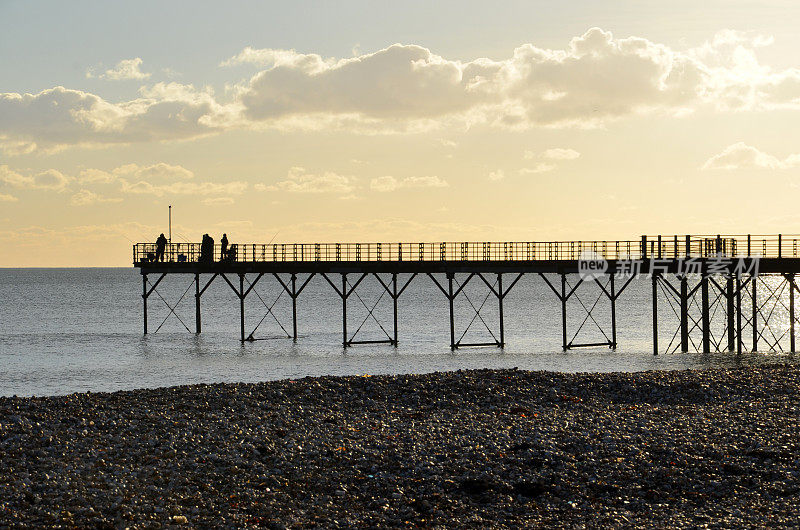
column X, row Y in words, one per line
column 299, row 180
column 126, row 69
column 539, row 168
column 46, row 180
column 59, row 117
column 594, row 79
column 85, row 198
column 556, row 153
column 5, row 197
column 218, row 201
column 159, row 171
column 743, row 156
column 497, row 175
column 389, row 183
column 559, row 153
column 184, row 188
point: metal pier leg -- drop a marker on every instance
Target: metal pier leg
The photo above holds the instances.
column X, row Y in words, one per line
column 654, row 278
column 738, row 314
column 791, row 313
column 294, row 307
column 730, row 300
column 394, row 301
column 144, row 300
column 344, row 310
column 684, row 314
column 500, row 301
column 564, row 311
column 197, row 322
column 613, row 314
column 241, row 305
column 452, row 316
column 753, row 282
column 705, row 314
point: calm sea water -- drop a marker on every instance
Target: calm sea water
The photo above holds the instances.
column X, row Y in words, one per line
column 76, row 330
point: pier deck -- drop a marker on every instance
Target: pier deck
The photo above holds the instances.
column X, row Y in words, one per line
column 690, row 272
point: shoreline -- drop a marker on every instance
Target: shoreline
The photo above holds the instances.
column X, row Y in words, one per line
column 466, row 448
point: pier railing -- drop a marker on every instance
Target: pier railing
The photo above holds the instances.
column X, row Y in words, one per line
column 663, row 246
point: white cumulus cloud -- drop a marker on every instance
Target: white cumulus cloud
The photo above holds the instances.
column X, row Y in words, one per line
column 125, row 69
column 50, row 179
column 743, row 156
column 86, row 197
column 595, row 78
column 389, row 183
column 298, row 180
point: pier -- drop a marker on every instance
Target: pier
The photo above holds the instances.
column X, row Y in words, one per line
column 728, row 292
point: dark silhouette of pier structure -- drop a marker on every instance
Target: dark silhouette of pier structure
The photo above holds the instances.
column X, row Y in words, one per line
column 728, row 293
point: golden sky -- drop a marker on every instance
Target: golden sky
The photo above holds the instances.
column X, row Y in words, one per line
column 371, row 121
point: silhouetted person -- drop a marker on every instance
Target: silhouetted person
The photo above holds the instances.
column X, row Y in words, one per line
column 223, row 254
column 207, row 249
column 161, row 245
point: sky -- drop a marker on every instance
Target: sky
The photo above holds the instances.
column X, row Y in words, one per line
column 379, row 121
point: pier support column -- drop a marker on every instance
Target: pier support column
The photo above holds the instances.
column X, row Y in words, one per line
column 294, row 307
column 241, row 306
column 729, row 297
column 705, row 318
column 394, row 304
column 344, row 310
column 197, row 324
column 564, row 311
column 144, row 300
column 451, row 298
column 753, row 283
column 654, row 278
column 791, row 312
column 500, row 302
column 738, row 313
column 684, row 314
column 613, row 313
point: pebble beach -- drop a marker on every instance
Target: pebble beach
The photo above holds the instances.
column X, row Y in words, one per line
column 475, row 449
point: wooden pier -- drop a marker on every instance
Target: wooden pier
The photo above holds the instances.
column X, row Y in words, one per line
column 746, row 276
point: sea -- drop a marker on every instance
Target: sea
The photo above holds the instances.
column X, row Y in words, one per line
column 65, row 330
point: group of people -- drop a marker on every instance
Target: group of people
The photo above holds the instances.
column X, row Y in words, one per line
column 206, row 249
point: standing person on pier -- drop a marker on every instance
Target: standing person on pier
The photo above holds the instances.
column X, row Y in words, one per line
column 223, row 254
column 161, row 245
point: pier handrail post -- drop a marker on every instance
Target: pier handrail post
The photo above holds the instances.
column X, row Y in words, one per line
column 749, row 253
column 780, row 246
column 688, row 249
column 644, row 247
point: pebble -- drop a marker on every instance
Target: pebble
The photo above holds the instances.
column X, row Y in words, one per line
column 479, row 448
